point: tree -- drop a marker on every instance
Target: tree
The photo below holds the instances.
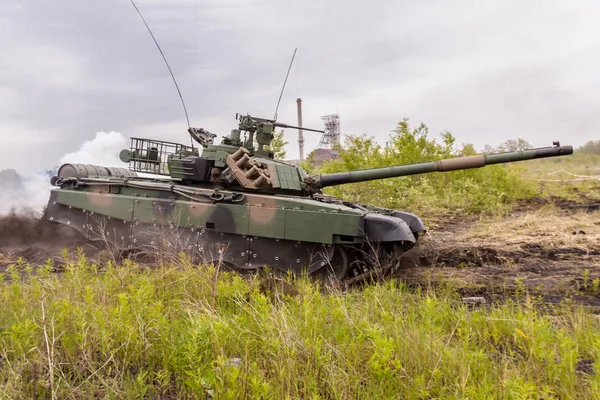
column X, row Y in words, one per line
column 515, row 145
column 487, row 149
column 591, row 147
column 309, row 164
column 468, row 150
column 278, row 145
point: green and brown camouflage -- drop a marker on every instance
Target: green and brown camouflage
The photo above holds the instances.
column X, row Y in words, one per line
column 235, row 203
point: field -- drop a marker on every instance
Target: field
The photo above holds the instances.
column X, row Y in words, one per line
column 500, row 300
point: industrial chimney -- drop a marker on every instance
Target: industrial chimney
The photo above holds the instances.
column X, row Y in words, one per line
column 300, row 137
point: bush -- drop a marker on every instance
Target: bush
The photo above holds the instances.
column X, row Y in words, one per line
column 591, row 147
column 489, row 189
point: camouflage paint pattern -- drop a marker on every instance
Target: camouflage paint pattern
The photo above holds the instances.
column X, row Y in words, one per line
column 267, row 216
column 283, row 232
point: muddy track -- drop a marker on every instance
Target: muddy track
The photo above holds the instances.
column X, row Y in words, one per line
column 553, row 254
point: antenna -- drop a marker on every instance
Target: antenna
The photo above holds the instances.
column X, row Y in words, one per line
column 164, row 58
column 284, row 82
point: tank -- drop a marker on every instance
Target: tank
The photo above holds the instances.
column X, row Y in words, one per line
column 233, row 203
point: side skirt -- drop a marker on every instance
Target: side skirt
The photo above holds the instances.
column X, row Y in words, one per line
column 243, row 252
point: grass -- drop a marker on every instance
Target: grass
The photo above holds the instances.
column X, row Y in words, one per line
column 184, row 331
column 575, row 177
column 545, row 227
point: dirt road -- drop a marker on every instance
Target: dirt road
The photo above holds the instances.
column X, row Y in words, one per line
column 552, row 250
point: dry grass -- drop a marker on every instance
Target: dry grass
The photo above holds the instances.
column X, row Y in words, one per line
column 547, row 227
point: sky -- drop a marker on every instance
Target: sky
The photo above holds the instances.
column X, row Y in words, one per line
column 487, row 71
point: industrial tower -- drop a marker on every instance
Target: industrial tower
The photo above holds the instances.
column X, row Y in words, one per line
column 332, row 131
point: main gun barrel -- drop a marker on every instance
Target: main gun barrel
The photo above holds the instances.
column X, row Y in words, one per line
column 450, row 164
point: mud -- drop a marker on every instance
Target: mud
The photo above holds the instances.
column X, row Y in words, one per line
column 553, row 255
column 35, row 240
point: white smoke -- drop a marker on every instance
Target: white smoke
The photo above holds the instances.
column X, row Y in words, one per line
column 30, row 193
column 26, row 194
column 103, row 150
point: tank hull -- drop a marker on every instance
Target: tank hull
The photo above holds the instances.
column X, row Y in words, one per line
column 246, row 231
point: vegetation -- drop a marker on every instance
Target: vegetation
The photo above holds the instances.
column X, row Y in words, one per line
column 591, row 147
column 187, row 332
column 574, row 178
column 278, row 145
column 492, row 190
column 509, row 145
column 475, row 190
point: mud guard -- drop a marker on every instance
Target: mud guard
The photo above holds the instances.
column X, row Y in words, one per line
column 383, row 228
column 414, row 223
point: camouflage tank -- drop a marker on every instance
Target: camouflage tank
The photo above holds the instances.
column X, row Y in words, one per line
column 235, row 204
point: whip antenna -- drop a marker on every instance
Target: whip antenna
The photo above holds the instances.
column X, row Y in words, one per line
column 284, row 82
column 164, row 58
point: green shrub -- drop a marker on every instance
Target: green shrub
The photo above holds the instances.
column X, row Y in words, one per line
column 489, row 189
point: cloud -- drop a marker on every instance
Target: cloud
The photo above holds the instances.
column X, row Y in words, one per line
column 486, row 71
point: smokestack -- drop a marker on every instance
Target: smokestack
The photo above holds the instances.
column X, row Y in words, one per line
column 300, row 137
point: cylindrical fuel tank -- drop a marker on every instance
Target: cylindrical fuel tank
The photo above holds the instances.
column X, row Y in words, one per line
column 87, row 170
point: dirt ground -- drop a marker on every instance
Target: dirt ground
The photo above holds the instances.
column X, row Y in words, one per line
column 552, row 249
column 36, row 241
column 549, row 249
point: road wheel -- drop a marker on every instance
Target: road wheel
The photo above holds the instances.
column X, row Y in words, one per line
column 339, row 263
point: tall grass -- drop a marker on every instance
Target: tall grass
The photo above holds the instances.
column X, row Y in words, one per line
column 576, row 177
column 195, row 332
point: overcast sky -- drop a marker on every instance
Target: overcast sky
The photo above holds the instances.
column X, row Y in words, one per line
column 487, row 71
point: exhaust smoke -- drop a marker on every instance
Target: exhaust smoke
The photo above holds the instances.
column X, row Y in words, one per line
column 28, row 194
